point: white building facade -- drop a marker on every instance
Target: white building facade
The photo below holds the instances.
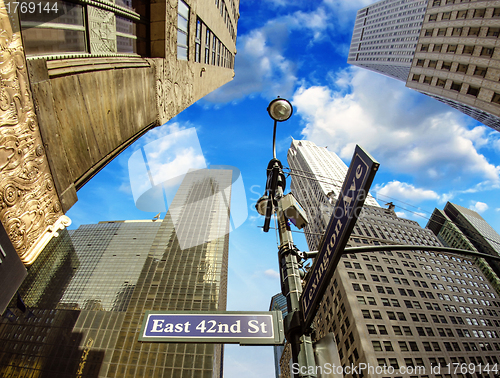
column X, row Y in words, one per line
column 385, row 36
column 317, row 178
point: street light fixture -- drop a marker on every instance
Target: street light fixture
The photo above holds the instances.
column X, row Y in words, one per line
column 280, row 110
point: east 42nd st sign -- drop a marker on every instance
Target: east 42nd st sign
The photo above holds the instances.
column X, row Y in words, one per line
column 246, row 328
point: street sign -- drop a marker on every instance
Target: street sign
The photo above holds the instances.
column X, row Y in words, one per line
column 352, row 196
column 218, row 327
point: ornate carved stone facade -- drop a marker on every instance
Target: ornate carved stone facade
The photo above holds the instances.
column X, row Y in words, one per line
column 29, row 204
column 68, row 110
column 102, row 30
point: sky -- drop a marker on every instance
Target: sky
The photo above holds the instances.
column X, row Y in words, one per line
column 429, row 153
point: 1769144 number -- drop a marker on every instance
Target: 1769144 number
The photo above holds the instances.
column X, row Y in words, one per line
column 31, row 7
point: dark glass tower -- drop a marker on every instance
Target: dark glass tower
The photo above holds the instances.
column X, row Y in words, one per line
column 87, row 296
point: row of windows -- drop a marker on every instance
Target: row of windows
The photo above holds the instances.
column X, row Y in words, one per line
column 455, row 86
column 69, row 32
column 214, row 52
column 463, row 14
column 390, row 269
column 225, row 14
column 428, row 331
column 463, row 32
column 476, row 50
column 394, row 302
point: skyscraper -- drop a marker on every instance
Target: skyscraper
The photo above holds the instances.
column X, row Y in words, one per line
column 385, row 36
column 398, row 309
column 87, row 295
column 454, row 60
column 317, row 177
column 459, row 227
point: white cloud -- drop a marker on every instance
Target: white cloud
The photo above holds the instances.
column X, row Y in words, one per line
column 271, row 273
column 260, row 67
column 406, row 132
column 260, row 64
column 404, row 191
column 479, row 207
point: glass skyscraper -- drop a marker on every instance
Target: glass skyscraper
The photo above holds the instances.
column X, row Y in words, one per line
column 87, row 294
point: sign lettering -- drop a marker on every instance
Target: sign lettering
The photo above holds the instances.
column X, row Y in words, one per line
column 218, row 327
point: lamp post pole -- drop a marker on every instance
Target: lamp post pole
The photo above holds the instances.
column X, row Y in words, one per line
column 291, row 284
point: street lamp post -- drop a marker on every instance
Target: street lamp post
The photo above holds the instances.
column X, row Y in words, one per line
column 291, row 286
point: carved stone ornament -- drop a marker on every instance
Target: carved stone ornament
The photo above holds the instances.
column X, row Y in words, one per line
column 29, row 204
column 102, row 30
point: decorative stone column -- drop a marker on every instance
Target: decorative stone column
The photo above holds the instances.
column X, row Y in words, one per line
column 30, row 209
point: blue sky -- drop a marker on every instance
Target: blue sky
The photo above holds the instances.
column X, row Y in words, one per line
column 297, row 49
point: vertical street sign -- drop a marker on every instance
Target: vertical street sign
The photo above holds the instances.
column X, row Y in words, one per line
column 349, row 204
column 230, row 327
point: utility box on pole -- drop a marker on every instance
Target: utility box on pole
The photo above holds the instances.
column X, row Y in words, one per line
column 327, row 358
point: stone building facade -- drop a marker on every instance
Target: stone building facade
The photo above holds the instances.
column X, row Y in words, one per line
column 81, row 81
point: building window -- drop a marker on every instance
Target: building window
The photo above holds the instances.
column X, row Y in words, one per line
column 446, row 66
column 487, row 51
column 182, row 30
column 451, row 48
column 427, row 79
column 432, row 63
column 207, row 46
column 461, row 14
column 480, row 71
column 473, row 31
column 456, row 32
column 479, row 13
column 214, row 49
column 44, row 34
column 441, row 83
column 197, row 53
column 424, row 47
column 428, row 32
column 456, row 86
column 420, row 63
column 493, row 32
column 496, row 98
column 415, row 77
column 433, row 17
column 446, row 16
column 462, row 68
column 437, row 48
column 473, row 91
column 468, row 50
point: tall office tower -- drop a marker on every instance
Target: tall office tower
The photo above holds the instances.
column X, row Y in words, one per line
column 317, row 175
column 455, row 60
column 395, row 308
column 459, row 227
column 84, row 320
column 385, row 36
column 278, row 303
column 410, row 309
